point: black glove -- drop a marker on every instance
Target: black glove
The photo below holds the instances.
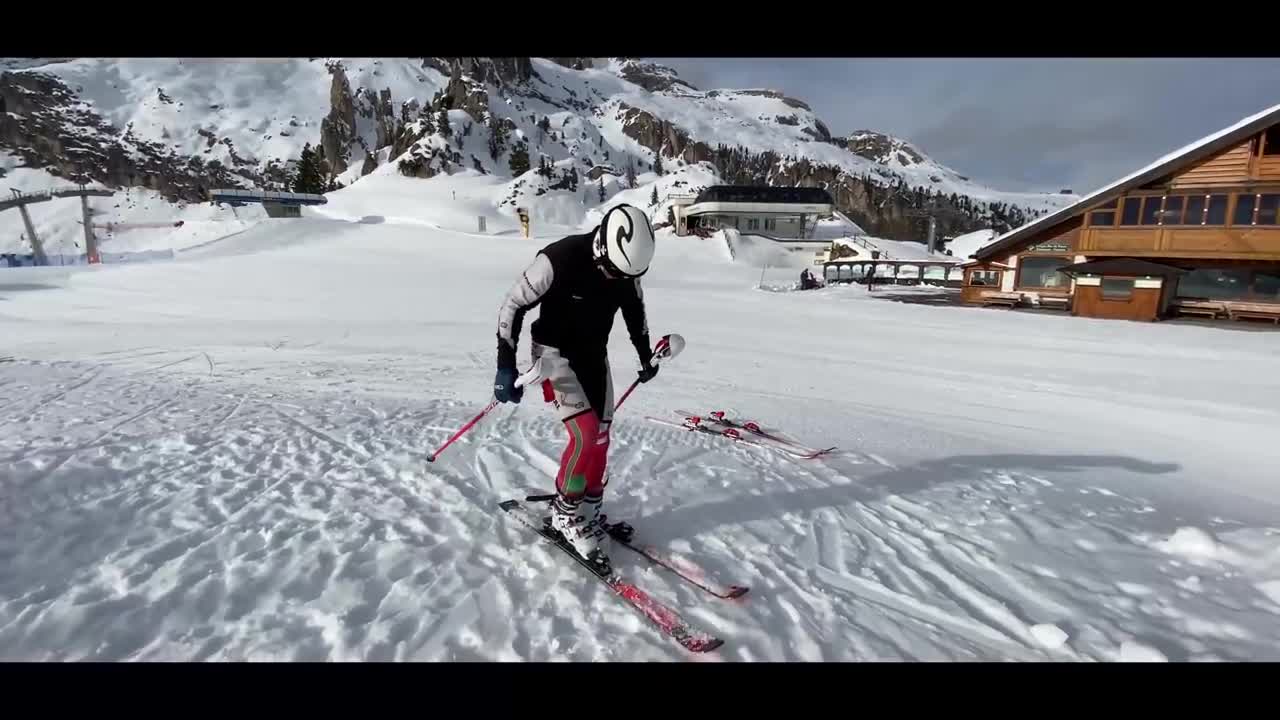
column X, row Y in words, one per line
column 648, row 369
column 648, row 372
column 504, row 386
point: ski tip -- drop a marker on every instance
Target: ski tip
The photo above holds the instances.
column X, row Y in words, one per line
column 737, row 591
column 704, row 645
column 509, row 505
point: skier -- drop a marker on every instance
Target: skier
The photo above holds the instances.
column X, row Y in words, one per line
column 580, row 282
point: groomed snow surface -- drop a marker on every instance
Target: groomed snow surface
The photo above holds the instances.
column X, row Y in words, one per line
column 222, row 457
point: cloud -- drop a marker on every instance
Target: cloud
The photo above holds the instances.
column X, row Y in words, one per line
column 1017, row 124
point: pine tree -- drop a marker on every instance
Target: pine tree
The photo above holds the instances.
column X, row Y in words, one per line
column 497, row 137
column 631, row 174
column 657, row 164
column 442, row 122
column 653, row 197
column 573, row 179
column 519, row 162
column 602, row 188
column 309, row 178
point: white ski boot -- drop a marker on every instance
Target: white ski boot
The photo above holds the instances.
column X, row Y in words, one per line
column 580, row 524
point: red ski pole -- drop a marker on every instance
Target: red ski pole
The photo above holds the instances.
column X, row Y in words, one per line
column 667, row 348
column 532, row 376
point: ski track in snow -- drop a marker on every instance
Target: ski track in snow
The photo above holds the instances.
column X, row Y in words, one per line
column 223, row 527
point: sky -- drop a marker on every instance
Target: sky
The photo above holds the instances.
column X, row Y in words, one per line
column 1016, row 124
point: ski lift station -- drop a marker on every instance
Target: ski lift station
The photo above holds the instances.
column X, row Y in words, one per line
column 786, row 215
column 277, row 204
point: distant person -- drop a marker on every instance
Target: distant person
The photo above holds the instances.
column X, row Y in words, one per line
column 580, row 282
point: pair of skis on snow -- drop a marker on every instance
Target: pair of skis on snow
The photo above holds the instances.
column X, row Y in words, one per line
column 663, row 617
column 746, row 432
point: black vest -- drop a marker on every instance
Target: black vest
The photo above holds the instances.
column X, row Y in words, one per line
column 576, row 314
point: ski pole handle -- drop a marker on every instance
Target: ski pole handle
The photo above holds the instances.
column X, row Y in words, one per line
column 533, row 375
column 667, row 348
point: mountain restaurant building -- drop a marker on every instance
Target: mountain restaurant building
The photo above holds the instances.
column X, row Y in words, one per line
column 1197, row 232
column 783, row 214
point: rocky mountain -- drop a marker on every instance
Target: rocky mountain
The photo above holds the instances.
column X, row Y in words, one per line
column 183, row 126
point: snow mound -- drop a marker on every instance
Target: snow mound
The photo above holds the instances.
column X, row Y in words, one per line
column 1271, row 589
column 1050, row 636
column 1192, row 543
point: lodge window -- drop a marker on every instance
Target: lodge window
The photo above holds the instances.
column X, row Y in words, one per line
column 1244, row 210
column 1117, row 288
column 770, row 223
column 1104, row 215
column 1195, row 211
column 1151, row 210
column 1132, row 211
column 1271, row 145
column 1172, row 214
column 984, row 278
column 1216, row 213
column 1202, row 210
column 1268, row 210
column 1038, row 271
column 753, row 223
column 1266, row 286
column 1214, row 284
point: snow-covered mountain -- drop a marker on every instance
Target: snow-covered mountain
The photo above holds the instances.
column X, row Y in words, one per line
column 180, row 127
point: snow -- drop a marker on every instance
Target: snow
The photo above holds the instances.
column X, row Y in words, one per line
column 1049, row 635
column 1191, row 543
column 1135, row 651
column 58, row 221
column 965, row 246
column 223, row 457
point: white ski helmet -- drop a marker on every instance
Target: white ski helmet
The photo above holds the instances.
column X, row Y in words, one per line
column 624, row 245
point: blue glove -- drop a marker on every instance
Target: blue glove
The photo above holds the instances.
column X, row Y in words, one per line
column 504, row 386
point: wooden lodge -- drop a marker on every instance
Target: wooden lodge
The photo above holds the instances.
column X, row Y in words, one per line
column 1195, row 233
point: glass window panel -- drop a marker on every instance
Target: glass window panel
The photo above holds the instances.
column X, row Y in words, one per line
column 1150, row 210
column 1244, row 210
column 1172, row 210
column 1132, row 207
column 1217, row 214
column 1195, row 210
column 1117, row 288
column 1214, row 284
column 1103, row 219
column 1043, row 272
column 1269, row 210
column 1266, row 286
column 1272, row 146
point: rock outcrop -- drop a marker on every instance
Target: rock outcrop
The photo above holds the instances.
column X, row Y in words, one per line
column 880, row 148
column 650, row 76
column 46, row 125
column 338, row 128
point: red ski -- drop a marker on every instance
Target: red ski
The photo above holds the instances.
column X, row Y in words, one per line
column 718, row 417
column 685, row 569
column 662, row 616
column 695, row 423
